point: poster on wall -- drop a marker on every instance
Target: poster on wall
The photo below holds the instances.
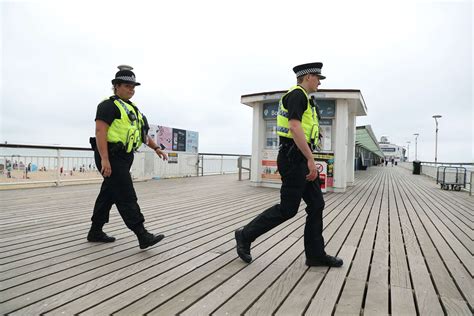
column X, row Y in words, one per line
column 192, row 141
column 326, row 132
column 163, row 137
column 152, row 132
column 179, row 139
column 269, row 166
column 325, row 128
column 329, row 160
column 172, row 157
column 174, row 139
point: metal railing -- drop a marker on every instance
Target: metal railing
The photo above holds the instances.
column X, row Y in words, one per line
column 430, row 170
column 451, row 164
column 56, row 165
column 213, row 164
column 23, row 166
column 240, row 164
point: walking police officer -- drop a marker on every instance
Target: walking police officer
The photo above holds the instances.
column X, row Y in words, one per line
column 298, row 129
column 120, row 130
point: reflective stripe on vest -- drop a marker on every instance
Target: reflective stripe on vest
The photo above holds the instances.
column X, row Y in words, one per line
column 124, row 130
column 309, row 121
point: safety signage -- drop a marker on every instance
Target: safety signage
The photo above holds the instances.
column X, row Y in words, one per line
column 322, row 169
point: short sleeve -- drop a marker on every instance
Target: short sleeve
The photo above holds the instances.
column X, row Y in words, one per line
column 107, row 111
column 296, row 103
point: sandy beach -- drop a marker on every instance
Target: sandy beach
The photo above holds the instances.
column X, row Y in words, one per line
column 20, row 180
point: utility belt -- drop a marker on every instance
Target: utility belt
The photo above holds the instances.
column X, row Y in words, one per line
column 113, row 148
column 292, row 152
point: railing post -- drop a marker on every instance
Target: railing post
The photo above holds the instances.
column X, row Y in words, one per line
column 202, row 166
column 58, row 171
column 222, row 164
column 239, row 165
column 197, row 164
column 250, row 167
column 470, row 184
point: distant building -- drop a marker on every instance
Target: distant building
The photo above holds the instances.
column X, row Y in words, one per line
column 391, row 150
column 367, row 149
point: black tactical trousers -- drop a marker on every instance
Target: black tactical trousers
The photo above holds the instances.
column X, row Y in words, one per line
column 118, row 189
column 293, row 170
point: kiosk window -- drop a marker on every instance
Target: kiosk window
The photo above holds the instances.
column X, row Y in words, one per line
column 271, row 136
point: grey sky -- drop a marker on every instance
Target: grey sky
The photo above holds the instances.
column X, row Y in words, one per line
column 410, row 59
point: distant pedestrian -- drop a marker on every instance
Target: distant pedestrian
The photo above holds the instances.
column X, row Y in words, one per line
column 386, row 162
column 393, row 161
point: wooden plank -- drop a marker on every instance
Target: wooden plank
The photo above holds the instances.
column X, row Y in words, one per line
column 435, row 245
column 299, row 298
column 277, row 291
column 209, row 303
column 178, row 213
column 399, row 273
column 402, row 302
column 116, row 301
column 122, row 251
column 101, row 276
column 241, row 299
column 426, row 297
column 425, row 232
column 325, row 299
column 176, row 227
column 376, row 301
column 201, row 287
column 176, row 304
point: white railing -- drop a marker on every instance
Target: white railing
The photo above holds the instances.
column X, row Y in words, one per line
column 430, row 169
column 31, row 164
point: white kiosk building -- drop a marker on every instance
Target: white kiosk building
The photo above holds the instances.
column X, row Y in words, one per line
column 335, row 161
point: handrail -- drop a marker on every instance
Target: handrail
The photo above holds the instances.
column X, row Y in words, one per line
column 448, row 163
column 60, row 151
column 44, row 147
column 240, row 166
column 216, row 154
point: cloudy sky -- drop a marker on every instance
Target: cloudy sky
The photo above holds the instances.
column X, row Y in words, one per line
column 410, row 59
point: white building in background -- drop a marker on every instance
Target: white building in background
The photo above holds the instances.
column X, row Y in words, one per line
column 391, row 150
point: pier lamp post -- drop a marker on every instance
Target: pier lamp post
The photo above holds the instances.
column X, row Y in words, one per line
column 436, row 117
column 416, row 145
column 408, row 151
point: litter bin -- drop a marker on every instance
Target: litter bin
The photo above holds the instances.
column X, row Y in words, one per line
column 416, row 167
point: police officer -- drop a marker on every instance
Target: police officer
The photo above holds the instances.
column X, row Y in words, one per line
column 120, row 130
column 298, row 129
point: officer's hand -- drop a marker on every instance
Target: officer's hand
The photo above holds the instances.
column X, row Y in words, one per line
column 106, row 168
column 161, row 154
column 313, row 171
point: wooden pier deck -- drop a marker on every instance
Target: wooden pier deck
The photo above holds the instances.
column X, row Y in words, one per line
column 407, row 248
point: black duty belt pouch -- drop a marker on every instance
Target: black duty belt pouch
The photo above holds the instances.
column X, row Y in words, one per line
column 93, row 143
column 114, row 148
column 294, row 154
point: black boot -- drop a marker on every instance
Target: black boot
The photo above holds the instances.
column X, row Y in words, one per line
column 327, row 261
column 243, row 247
column 97, row 235
column 146, row 239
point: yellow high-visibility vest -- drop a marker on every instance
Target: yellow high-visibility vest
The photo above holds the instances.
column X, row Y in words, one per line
column 309, row 122
column 128, row 129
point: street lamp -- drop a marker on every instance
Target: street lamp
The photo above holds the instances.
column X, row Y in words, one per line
column 436, row 117
column 408, row 147
column 416, row 146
